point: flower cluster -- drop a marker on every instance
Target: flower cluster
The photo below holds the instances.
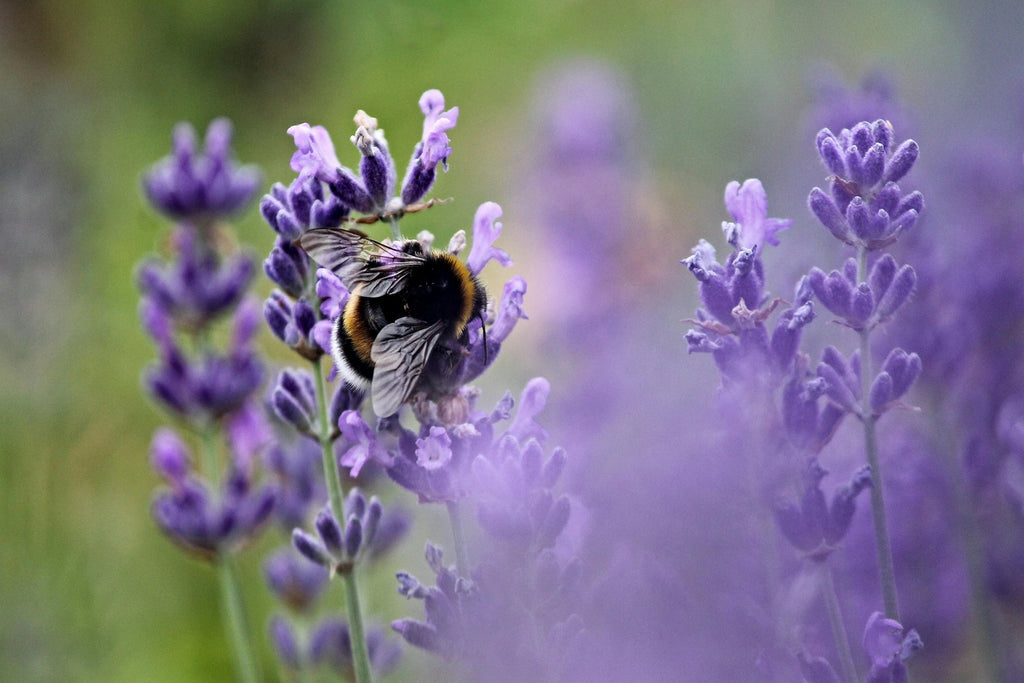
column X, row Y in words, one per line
column 523, row 594
column 371, row 192
column 201, row 520
column 206, row 389
column 201, row 187
column 865, row 207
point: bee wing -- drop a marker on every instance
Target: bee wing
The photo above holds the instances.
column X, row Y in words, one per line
column 360, row 261
column 400, row 353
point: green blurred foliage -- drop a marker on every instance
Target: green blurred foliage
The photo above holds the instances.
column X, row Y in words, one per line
column 89, row 589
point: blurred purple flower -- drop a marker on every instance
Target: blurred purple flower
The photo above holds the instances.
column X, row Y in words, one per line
column 198, row 519
column 201, row 187
column 198, row 285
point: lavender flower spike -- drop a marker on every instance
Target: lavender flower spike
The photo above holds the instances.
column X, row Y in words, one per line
column 201, row 186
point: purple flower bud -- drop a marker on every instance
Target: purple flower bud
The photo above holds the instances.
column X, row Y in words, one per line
column 897, row 293
column 285, row 645
column 353, row 537
column 329, row 531
column 531, row 403
column 901, row 161
column 293, row 580
column 169, row 456
column 311, row 548
column 862, row 305
column 418, row 634
column 826, row 211
column 903, row 368
column 838, row 390
column 554, row 522
column 881, row 393
column 834, row 291
column 840, row 514
column 831, row 153
column 872, row 167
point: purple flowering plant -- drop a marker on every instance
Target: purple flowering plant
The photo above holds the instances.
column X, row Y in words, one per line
column 543, row 578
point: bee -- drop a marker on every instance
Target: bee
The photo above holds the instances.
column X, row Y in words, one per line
column 405, row 326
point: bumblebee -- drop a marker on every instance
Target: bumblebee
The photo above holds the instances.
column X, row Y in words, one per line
column 405, row 326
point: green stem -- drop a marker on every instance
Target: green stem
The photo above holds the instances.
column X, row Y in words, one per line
column 396, row 232
column 835, row 618
column 235, row 622
column 461, row 554
column 360, row 654
column 883, row 546
column 230, row 593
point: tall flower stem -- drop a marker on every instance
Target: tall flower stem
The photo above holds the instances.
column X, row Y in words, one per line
column 835, row 618
column 235, row 621
column 360, row 654
column 883, row 546
column 232, row 603
column 459, row 538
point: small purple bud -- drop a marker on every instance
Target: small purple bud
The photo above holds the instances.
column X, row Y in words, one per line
column 290, row 410
column 418, row 634
column 881, row 275
column 283, row 638
column 873, row 166
column 554, row 522
column 897, row 293
column 717, row 298
column 862, row 305
column 831, row 153
column 901, row 161
column 838, row 390
column 882, row 133
column 305, row 317
column 353, row 537
column 881, row 393
column 862, row 137
column 826, row 211
column 374, row 513
column 553, row 468
column 913, row 201
column 329, row 531
column 859, row 219
column 311, row 548
column 904, row 369
column 169, row 456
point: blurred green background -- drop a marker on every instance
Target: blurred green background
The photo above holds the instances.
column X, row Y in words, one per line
column 89, row 92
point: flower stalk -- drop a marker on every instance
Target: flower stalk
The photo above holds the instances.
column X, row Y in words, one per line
column 360, row 653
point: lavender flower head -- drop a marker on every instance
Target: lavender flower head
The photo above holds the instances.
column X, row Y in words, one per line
column 199, row 519
column 865, row 206
column 735, row 306
column 371, row 192
column 201, row 186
